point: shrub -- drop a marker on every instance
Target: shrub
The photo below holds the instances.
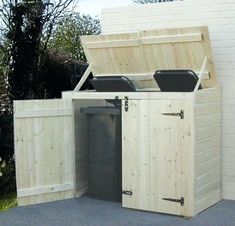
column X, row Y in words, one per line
column 7, row 176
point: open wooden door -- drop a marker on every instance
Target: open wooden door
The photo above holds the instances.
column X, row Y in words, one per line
column 44, row 150
column 154, row 137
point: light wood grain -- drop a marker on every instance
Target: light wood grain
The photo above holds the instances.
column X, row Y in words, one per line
column 150, row 50
column 207, row 148
column 44, row 150
column 50, row 163
column 153, row 151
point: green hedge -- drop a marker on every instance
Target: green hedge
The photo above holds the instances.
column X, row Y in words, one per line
column 7, row 165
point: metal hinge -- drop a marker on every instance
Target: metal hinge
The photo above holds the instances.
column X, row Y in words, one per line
column 127, row 192
column 179, row 114
column 126, row 104
column 181, row 200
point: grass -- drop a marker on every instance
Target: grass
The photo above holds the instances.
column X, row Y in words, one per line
column 8, row 201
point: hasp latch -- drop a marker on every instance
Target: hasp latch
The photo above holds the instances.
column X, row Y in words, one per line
column 127, row 192
column 126, row 104
column 181, row 200
column 179, row 114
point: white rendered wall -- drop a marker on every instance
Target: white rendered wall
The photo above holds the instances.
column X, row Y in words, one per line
column 219, row 16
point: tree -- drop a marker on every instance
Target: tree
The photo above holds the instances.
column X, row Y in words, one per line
column 152, row 1
column 25, row 28
column 66, row 36
column 28, row 27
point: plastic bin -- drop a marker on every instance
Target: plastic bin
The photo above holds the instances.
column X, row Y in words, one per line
column 105, row 168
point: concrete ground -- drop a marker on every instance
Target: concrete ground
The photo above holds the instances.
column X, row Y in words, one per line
column 87, row 211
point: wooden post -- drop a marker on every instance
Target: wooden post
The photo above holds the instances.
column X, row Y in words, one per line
column 83, row 79
column 200, row 76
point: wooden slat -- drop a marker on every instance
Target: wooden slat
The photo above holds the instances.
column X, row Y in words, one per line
column 145, row 76
column 209, row 186
column 208, row 201
column 145, row 41
column 208, row 165
column 207, row 132
column 208, row 120
column 204, row 156
column 152, row 95
column 43, row 113
column 208, row 143
column 113, row 44
column 206, row 178
column 84, row 78
column 49, row 197
column 171, row 39
column 207, row 108
column 44, row 190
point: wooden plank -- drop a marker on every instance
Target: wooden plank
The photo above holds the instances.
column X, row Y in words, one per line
column 171, row 39
column 209, row 176
column 203, row 68
column 207, row 188
column 144, row 76
column 84, row 78
column 207, row 132
column 130, row 152
column 132, row 95
column 44, row 190
column 208, row 154
column 208, row 201
column 113, row 44
column 50, row 197
column 44, row 113
column 208, row 120
column 207, row 166
column 207, row 108
column 188, row 165
column 208, row 143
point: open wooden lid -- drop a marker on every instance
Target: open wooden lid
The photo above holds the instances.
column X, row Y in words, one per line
column 142, row 53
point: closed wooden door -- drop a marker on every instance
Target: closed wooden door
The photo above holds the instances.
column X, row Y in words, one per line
column 153, row 138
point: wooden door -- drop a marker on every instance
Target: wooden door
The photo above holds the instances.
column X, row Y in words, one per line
column 154, row 133
column 44, row 150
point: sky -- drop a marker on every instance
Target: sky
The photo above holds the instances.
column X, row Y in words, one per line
column 93, row 7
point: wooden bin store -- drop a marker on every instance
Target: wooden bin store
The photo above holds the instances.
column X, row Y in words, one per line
column 171, row 141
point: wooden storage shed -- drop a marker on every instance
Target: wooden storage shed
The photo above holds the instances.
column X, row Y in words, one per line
column 170, row 140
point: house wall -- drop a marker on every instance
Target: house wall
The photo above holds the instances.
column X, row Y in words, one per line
column 219, row 16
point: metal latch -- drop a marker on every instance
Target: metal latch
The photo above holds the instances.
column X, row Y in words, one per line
column 126, row 105
column 179, row 114
column 181, row 200
column 127, row 192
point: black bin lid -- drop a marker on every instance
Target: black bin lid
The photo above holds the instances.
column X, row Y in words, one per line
column 176, row 80
column 112, row 84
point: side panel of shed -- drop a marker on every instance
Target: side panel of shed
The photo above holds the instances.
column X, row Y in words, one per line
column 207, row 148
column 44, row 150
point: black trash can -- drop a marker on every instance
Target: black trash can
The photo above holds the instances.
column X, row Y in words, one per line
column 105, row 168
